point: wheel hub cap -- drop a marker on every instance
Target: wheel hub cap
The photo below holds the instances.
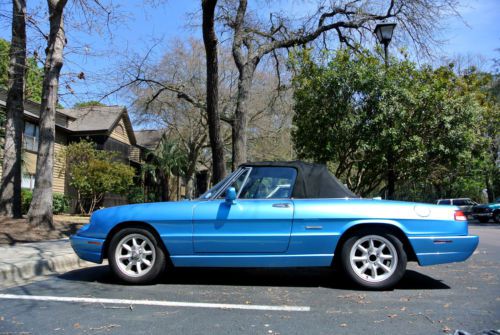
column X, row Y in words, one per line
column 373, row 258
column 135, row 255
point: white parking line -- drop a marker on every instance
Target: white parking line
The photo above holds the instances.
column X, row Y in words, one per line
column 156, row 303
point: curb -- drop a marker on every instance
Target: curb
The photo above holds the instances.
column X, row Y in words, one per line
column 17, row 272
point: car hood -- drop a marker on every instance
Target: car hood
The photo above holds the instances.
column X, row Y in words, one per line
column 103, row 220
column 150, row 212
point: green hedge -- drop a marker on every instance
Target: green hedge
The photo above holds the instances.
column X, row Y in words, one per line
column 59, row 200
column 26, row 196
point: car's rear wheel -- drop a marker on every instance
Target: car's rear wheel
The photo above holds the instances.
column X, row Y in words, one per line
column 483, row 220
column 374, row 261
column 135, row 256
column 496, row 217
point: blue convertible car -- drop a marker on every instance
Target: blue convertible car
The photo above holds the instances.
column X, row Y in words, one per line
column 277, row 214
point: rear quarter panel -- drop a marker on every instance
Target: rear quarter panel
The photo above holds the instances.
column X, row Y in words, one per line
column 319, row 223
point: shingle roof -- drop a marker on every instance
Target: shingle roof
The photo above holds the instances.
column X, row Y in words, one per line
column 33, row 108
column 149, row 139
column 94, row 118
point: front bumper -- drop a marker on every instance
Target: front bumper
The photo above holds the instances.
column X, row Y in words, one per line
column 431, row 250
column 87, row 248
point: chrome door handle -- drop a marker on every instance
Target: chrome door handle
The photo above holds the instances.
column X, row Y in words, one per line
column 283, row 205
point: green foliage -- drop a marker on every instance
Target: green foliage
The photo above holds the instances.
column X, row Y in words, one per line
column 2, row 126
column 88, row 104
column 93, row 173
column 351, row 110
column 60, row 202
column 169, row 158
column 4, row 62
column 26, row 196
column 34, row 74
column 135, row 195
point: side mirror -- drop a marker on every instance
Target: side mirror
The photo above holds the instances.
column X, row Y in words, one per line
column 231, row 195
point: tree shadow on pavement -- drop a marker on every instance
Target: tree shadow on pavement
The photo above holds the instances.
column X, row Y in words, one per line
column 289, row 277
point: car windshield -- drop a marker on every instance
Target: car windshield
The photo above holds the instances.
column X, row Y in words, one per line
column 256, row 183
column 215, row 189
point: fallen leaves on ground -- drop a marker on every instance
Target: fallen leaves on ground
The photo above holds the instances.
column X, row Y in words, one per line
column 446, row 329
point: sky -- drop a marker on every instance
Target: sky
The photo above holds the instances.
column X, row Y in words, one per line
column 475, row 36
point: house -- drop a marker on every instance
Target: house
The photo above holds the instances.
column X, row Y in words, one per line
column 108, row 126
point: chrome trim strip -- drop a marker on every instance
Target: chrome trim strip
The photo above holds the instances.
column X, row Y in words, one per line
column 313, row 227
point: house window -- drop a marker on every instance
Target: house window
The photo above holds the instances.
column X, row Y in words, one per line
column 28, row 181
column 30, row 136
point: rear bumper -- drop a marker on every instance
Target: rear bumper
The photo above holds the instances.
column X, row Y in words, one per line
column 89, row 249
column 483, row 215
column 431, row 250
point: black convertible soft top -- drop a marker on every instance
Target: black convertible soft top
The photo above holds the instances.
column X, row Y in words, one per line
column 313, row 180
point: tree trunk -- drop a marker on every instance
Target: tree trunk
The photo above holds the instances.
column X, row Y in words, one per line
column 489, row 190
column 167, row 187
column 391, row 175
column 210, row 41
column 40, row 212
column 240, row 121
column 163, row 183
column 189, row 178
column 178, row 188
column 10, row 190
column 189, row 187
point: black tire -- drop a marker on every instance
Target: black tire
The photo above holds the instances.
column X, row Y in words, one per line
column 483, row 220
column 394, row 276
column 157, row 262
column 496, row 217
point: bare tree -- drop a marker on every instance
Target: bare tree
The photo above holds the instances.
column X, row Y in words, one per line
column 10, row 190
column 254, row 39
column 180, row 109
column 212, row 95
column 40, row 212
column 182, row 115
column 86, row 13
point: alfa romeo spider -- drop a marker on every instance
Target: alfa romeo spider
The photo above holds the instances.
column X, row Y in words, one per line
column 277, row 214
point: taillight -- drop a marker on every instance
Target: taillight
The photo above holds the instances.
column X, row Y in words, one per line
column 460, row 216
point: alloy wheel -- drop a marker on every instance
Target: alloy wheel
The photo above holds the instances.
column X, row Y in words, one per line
column 373, row 258
column 135, row 255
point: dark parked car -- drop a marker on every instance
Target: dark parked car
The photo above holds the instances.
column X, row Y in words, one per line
column 465, row 204
column 485, row 212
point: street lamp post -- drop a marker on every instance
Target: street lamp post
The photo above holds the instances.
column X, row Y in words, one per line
column 384, row 32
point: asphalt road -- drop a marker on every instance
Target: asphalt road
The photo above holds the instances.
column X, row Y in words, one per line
column 429, row 300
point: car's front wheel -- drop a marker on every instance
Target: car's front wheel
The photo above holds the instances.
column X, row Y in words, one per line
column 374, row 261
column 496, row 217
column 135, row 256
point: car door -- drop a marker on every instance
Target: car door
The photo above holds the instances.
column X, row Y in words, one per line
column 254, row 223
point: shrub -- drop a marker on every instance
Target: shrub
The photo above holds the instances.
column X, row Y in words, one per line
column 93, row 173
column 60, row 203
column 59, row 200
column 26, row 196
column 135, row 195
